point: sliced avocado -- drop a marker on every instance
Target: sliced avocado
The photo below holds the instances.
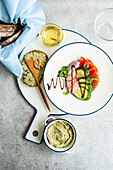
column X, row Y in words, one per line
column 89, row 80
column 85, row 80
column 80, row 73
column 89, row 96
column 86, row 72
column 87, row 86
column 80, row 92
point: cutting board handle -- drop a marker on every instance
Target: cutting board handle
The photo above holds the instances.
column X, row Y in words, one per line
column 35, row 131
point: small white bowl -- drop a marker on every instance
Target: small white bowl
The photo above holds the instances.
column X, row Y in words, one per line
column 54, row 148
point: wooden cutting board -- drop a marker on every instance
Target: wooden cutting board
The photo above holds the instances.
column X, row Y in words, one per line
column 32, row 94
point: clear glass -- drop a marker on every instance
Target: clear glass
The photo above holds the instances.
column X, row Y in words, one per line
column 50, row 35
column 103, row 25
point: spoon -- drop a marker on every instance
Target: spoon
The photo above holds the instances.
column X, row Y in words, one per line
column 29, row 62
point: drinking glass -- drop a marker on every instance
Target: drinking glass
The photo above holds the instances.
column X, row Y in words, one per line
column 103, row 24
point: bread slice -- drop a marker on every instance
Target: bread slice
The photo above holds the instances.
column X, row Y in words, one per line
column 7, row 30
column 40, row 59
column 11, row 39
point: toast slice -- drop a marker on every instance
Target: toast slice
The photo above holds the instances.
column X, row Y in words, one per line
column 40, row 59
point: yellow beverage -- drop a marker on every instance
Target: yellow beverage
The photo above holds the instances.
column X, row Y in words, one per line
column 51, row 35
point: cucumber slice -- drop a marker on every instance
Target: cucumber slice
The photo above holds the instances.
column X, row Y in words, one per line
column 80, row 92
column 80, row 73
column 90, row 88
column 89, row 96
column 85, row 80
column 89, row 80
column 86, row 72
column 86, row 86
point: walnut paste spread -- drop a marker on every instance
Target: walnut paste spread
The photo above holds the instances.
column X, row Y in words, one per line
column 60, row 134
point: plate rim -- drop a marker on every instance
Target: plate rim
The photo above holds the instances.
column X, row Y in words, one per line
column 76, row 33
column 49, row 58
column 45, row 88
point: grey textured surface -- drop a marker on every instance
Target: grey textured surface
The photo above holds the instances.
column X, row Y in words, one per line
column 94, row 146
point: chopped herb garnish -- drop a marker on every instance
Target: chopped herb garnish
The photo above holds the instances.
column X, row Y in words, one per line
column 65, row 93
column 94, row 79
column 92, row 83
column 63, row 72
column 87, row 66
column 86, row 72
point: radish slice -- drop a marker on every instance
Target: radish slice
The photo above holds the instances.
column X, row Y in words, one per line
column 75, row 63
column 75, row 88
column 72, row 82
column 72, row 79
column 72, row 85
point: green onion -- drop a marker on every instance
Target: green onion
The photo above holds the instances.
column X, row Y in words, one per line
column 86, row 72
column 65, row 93
column 94, row 79
column 87, row 66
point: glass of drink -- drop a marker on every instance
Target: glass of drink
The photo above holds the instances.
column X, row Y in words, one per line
column 50, row 35
column 103, row 25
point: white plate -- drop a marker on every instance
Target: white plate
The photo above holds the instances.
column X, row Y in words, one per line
column 32, row 94
column 102, row 94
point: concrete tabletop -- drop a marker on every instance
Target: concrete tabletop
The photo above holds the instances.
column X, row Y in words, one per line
column 94, row 146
